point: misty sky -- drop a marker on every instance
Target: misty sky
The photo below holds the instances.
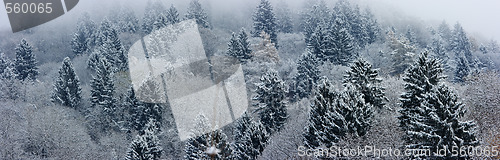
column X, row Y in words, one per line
column 479, row 18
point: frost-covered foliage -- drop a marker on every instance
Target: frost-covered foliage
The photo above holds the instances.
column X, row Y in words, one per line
column 195, row 11
column 239, row 46
column 83, row 38
column 307, row 76
column 67, row 90
column 431, row 114
column 402, row 52
column 264, row 20
column 266, row 50
column 284, row 18
column 270, row 101
column 250, row 138
column 172, row 15
column 366, row 80
column 151, row 14
column 25, row 62
column 212, row 145
column 146, row 145
column 313, row 17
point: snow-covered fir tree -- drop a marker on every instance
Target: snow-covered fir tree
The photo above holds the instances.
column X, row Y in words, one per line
column 366, row 80
column 321, row 44
column 146, row 145
column 160, row 22
column 411, row 36
column 250, row 138
column 270, row 100
column 462, row 69
column 141, row 112
column 9, row 84
column 431, row 114
column 212, row 145
column 461, row 45
column 493, row 46
column 307, row 75
column 25, row 62
column 264, row 20
column 196, row 12
column 83, row 38
column 326, row 123
column 4, row 62
column 101, row 93
column 201, row 126
column 402, row 53
column 312, row 17
column 357, row 113
column 351, row 16
column 344, row 43
column 67, row 90
column 372, row 26
column 151, row 13
column 172, row 15
column 239, row 47
column 444, row 31
column 128, row 21
column 109, row 46
column 283, row 18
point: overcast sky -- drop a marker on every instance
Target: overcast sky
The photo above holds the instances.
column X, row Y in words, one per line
column 481, row 17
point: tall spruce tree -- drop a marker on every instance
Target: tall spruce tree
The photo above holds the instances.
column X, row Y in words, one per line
column 462, row 69
column 67, row 90
column 211, row 145
column 307, row 75
column 461, row 45
column 270, row 100
column 172, row 15
column 283, row 18
column 265, row 20
column 312, row 17
column 25, row 62
column 326, row 123
column 196, row 12
column 372, row 26
column 160, row 22
column 83, row 38
column 128, row 21
column 151, row 13
column 239, row 47
column 344, row 42
column 250, row 138
column 4, row 62
column 146, row 145
column 357, row 113
column 431, row 114
column 101, row 94
column 366, row 80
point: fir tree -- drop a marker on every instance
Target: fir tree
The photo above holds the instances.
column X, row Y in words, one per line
column 160, row 22
column 444, row 31
column 460, row 44
column 102, row 91
column 493, row 46
column 250, row 138
column 67, row 90
column 366, row 80
column 25, row 62
column 211, row 145
column 4, row 62
column 141, row 112
column 151, row 14
column 312, row 17
column 430, row 114
column 326, row 124
column 83, row 38
column 284, row 19
column 344, row 42
column 462, row 70
column 357, row 113
column 147, row 145
column 270, row 100
column 321, row 44
column 402, row 53
column 239, row 47
column 172, row 15
column 196, row 12
column 307, row 75
column 110, row 47
column 264, row 20
column 372, row 26
column 129, row 22
column 245, row 44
